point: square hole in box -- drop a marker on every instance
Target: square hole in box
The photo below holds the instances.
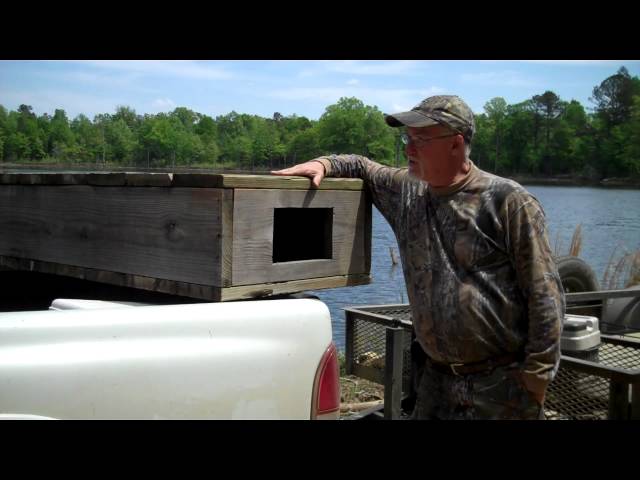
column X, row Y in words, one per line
column 302, row 234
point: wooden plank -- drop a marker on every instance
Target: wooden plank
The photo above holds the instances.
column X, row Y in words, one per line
column 212, row 180
column 138, row 179
column 368, row 230
column 106, row 179
column 171, row 287
column 167, row 233
column 226, row 247
column 288, row 182
column 144, row 179
column 269, row 289
column 20, row 178
column 199, row 180
column 253, row 232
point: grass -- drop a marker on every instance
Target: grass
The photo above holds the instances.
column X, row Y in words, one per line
column 576, row 241
column 355, row 391
column 622, row 273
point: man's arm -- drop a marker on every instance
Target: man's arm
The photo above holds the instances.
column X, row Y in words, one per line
column 384, row 183
column 542, row 289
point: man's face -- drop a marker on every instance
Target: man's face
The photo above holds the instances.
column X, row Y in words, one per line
column 429, row 150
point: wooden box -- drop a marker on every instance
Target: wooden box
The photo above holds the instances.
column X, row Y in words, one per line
column 208, row 236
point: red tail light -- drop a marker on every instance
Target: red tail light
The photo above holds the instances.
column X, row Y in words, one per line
column 326, row 388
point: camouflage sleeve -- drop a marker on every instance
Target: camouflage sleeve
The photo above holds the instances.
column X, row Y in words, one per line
column 384, row 183
column 540, row 284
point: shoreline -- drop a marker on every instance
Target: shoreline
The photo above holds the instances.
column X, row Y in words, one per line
column 564, row 181
column 553, row 181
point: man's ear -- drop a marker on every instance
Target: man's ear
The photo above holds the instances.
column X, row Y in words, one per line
column 458, row 142
column 458, row 145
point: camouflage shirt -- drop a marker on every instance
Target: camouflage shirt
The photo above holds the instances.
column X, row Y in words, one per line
column 480, row 275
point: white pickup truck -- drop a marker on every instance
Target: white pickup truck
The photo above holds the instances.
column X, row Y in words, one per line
column 84, row 359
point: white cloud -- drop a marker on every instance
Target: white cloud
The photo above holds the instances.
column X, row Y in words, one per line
column 387, row 100
column 49, row 100
column 503, row 79
column 163, row 104
column 178, row 68
column 354, row 67
column 358, row 67
column 128, row 81
column 353, row 81
column 584, row 63
column 401, row 108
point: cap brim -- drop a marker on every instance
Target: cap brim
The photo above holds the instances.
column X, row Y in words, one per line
column 409, row 119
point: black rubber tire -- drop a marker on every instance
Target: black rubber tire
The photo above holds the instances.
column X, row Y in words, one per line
column 576, row 275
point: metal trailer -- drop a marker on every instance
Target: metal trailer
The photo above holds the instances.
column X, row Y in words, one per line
column 378, row 348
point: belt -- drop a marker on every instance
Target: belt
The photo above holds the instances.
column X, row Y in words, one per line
column 460, row 369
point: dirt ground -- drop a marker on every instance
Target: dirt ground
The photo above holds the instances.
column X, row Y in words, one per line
column 358, row 394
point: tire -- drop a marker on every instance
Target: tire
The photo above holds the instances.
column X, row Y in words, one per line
column 576, row 275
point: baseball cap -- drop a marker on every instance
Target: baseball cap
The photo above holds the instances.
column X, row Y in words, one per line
column 448, row 110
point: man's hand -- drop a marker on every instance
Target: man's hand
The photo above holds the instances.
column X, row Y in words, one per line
column 313, row 169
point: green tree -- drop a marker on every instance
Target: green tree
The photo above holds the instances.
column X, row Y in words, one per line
column 481, row 146
column 574, row 123
column 614, row 97
column 27, row 124
column 128, row 116
column 350, row 126
column 88, row 138
column 496, row 110
column 549, row 107
column 518, row 136
column 101, row 122
column 187, row 118
column 121, row 141
column 18, row 146
column 4, row 130
column 207, row 130
column 304, row 146
column 631, row 150
column 61, row 137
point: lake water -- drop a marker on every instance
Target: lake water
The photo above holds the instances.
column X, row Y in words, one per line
column 610, row 221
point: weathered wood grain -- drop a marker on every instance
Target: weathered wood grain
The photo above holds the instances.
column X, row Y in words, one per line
column 262, row 181
column 165, row 179
column 226, row 248
column 167, row 233
column 253, row 235
column 269, row 289
column 172, row 287
column 196, row 235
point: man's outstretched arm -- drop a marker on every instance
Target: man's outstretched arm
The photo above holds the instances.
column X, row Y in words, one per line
column 384, row 183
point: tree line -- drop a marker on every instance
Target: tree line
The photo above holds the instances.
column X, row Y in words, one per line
column 541, row 135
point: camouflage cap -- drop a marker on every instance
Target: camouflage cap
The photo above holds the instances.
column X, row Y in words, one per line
column 448, row 110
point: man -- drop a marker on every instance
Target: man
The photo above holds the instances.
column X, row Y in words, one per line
column 486, row 298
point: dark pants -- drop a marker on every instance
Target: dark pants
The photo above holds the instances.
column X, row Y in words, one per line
column 494, row 395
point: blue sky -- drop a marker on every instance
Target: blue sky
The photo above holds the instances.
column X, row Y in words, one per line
column 288, row 86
